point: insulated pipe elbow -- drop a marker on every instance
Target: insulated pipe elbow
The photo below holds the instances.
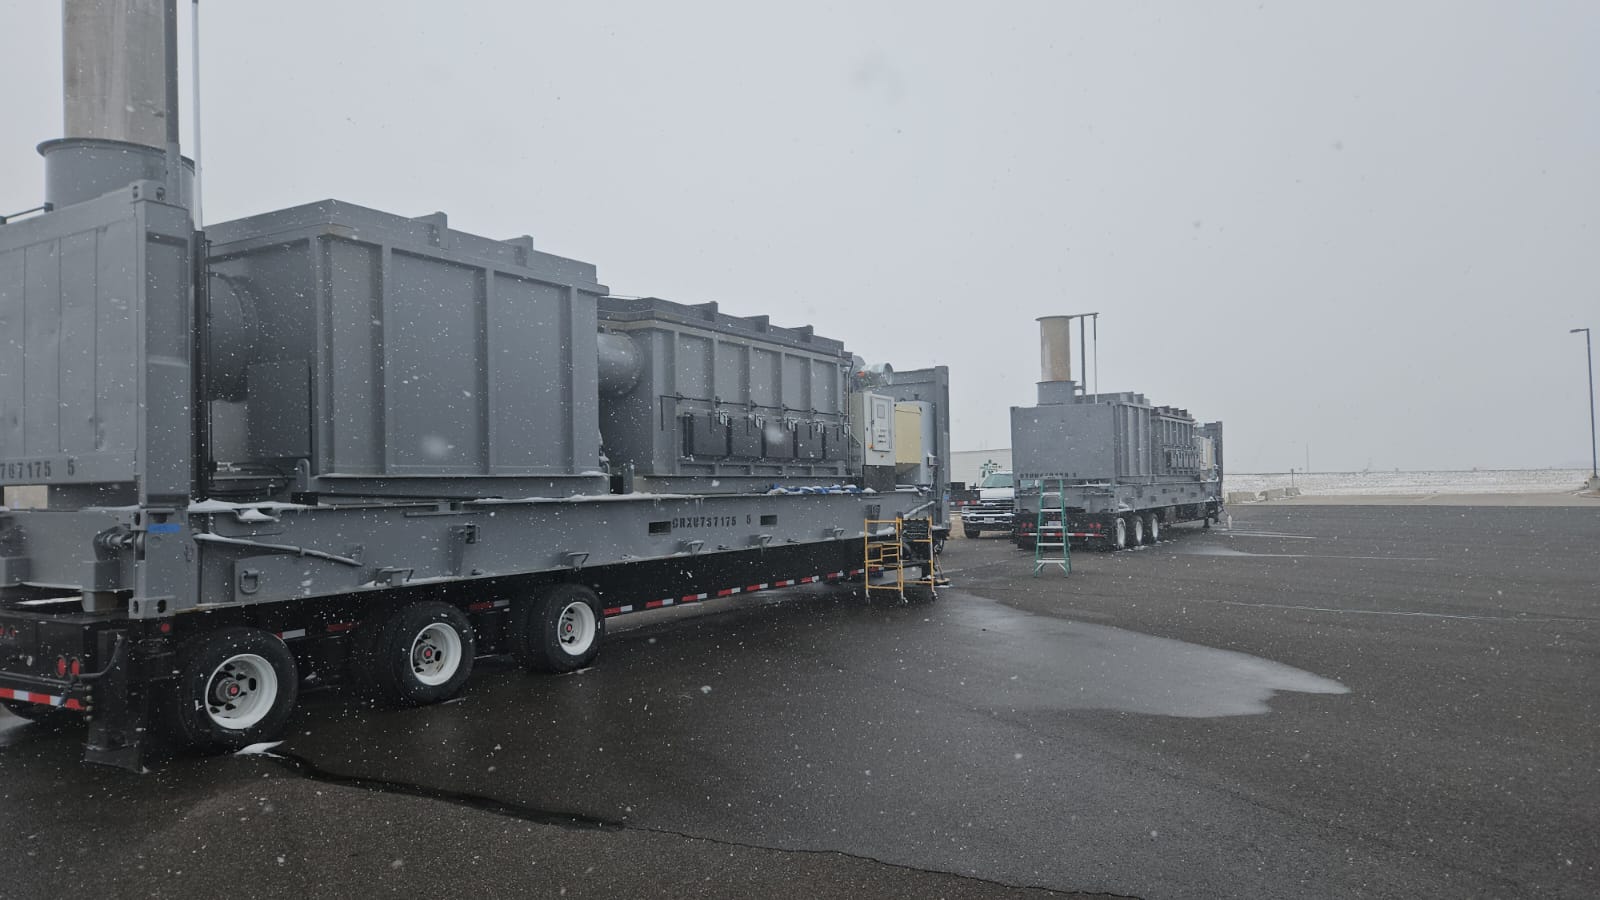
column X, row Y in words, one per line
column 621, row 364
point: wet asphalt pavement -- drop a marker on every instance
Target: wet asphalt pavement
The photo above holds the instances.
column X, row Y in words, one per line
column 1320, row 701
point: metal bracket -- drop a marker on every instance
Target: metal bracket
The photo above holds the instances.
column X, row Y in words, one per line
column 459, row 537
column 576, row 558
column 392, row 576
column 692, row 547
column 761, row 540
column 45, row 207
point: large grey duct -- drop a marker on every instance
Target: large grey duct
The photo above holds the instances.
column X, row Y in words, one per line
column 620, row 364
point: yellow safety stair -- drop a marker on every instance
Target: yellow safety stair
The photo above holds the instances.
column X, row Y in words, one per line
column 884, row 550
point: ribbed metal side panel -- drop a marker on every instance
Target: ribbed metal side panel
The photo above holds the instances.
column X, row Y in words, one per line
column 395, row 348
column 95, row 346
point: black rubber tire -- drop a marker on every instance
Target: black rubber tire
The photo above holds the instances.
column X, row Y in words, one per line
column 971, row 532
column 390, row 671
column 1121, row 535
column 184, row 710
column 535, row 629
column 1152, row 529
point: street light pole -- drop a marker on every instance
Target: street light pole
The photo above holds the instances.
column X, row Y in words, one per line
column 1594, row 457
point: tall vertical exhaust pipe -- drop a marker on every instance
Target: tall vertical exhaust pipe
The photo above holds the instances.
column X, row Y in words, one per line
column 114, row 76
column 1055, row 348
column 119, row 87
column 1055, row 359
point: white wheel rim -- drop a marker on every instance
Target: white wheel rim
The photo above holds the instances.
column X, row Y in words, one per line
column 1122, row 533
column 575, row 628
column 241, row 691
column 1155, row 530
column 435, row 654
column 1138, row 531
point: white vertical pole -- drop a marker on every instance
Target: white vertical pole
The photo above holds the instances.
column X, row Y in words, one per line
column 194, row 77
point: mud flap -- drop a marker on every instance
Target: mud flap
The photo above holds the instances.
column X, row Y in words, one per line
column 120, row 717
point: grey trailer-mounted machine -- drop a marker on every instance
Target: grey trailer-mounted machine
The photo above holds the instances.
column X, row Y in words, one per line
column 336, row 442
column 1116, row 467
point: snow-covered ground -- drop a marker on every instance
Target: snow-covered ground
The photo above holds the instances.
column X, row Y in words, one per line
column 1489, row 481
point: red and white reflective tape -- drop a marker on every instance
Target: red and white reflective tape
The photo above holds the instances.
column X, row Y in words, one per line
column 42, row 699
column 726, row 592
column 291, row 634
column 482, row 605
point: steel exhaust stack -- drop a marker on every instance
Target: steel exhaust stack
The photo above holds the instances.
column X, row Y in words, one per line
column 1055, row 348
column 119, row 80
column 1055, row 360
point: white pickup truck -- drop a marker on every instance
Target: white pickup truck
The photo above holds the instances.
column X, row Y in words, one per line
column 992, row 512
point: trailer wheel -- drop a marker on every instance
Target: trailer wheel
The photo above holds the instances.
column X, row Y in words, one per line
column 559, row 630
column 1119, row 534
column 1152, row 528
column 421, row 654
column 1136, row 526
column 236, row 687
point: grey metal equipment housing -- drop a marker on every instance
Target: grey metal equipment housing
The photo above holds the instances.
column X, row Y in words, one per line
column 723, row 403
column 390, row 402
column 1110, row 454
column 389, row 356
column 95, row 351
column 1118, row 452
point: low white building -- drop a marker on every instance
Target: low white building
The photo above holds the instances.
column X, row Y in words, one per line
column 968, row 465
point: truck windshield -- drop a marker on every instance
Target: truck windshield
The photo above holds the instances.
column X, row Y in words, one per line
column 997, row 480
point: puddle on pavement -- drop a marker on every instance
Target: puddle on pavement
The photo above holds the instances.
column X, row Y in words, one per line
column 1214, row 550
column 1043, row 662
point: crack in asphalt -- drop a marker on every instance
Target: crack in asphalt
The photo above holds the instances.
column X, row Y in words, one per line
column 309, row 770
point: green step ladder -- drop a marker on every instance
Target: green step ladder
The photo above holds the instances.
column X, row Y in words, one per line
column 1051, row 552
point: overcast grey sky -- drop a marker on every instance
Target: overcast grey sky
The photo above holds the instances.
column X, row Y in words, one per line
column 1366, row 226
